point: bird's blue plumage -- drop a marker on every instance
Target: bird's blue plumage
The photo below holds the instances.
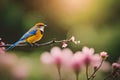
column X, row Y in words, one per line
column 23, row 38
column 13, row 45
column 26, row 35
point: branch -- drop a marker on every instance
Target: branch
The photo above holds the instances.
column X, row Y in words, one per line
column 36, row 44
column 96, row 70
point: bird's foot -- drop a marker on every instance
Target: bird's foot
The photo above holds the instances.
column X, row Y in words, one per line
column 31, row 44
column 36, row 44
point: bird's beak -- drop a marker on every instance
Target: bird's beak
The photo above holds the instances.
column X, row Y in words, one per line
column 45, row 25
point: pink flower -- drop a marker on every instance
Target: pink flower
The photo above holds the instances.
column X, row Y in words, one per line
column 67, row 54
column 116, row 66
column 88, row 54
column 115, row 70
column 96, row 60
column 76, row 62
column 104, row 55
column 20, row 71
column 72, row 39
column 56, row 56
column 2, row 49
column 8, row 60
column 90, row 58
column 64, row 45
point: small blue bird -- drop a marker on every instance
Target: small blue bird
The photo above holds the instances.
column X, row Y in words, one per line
column 33, row 35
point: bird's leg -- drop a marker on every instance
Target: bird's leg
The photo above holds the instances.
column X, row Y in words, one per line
column 36, row 44
column 31, row 44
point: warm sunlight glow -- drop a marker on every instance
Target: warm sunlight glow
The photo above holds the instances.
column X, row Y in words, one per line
column 75, row 5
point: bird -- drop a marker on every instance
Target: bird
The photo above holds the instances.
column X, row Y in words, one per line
column 32, row 36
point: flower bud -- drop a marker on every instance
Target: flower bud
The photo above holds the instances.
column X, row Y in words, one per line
column 104, row 55
column 64, row 45
column 72, row 39
column 116, row 66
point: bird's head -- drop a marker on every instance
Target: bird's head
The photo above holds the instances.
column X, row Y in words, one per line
column 40, row 25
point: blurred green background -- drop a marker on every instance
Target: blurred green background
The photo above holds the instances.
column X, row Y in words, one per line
column 96, row 23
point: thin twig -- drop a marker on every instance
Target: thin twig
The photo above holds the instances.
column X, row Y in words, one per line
column 77, row 75
column 113, row 74
column 36, row 44
column 59, row 71
column 96, row 70
column 87, row 72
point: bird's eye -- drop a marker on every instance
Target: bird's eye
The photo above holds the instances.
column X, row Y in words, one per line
column 40, row 24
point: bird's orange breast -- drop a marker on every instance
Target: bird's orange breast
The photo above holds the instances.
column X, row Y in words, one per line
column 35, row 38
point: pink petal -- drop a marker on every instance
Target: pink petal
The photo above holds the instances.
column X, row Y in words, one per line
column 86, row 50
column 78, row 56
column 88, row 54
column 72, row 39
column 55, row 52
column 2, row 43
column 105, row 66
column 67, row 51
column 64, row 45
column 116, row 65
column 2, row 50
column 91, row 50
column 46, row 58
column 104, row 54
column 8, row 59
column 20, row 71
column 96, row 60
column 76, row 61
column 66, row 55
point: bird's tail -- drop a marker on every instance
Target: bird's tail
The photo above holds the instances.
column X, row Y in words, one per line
column 13, row 45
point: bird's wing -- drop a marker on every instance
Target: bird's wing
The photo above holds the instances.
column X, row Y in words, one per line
column 29, row 33
column 26, row 35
